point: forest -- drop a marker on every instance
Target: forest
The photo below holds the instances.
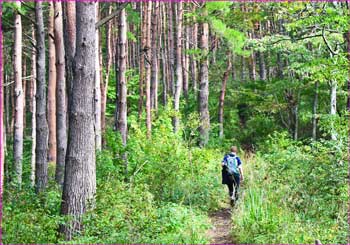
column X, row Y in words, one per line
column 116, row 116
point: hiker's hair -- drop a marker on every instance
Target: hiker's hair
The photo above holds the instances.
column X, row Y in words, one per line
column 234, row 149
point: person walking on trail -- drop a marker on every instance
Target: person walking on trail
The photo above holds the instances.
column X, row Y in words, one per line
column 232, row 173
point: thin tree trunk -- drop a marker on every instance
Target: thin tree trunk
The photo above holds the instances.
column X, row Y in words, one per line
column 296, row 117
column 33, row 109
column 261, row 57
column 51, row 92
column 24, row 93
column 243, row 69
column 179, row 76
column 222, row 97
column 97, row 92
column 252, row 64
column 165, row 70
column 2, row 133
column 148, row 69
column 186, row 62
column 122, row 125
column 314, row 113
column 194, row 45
column 18, row 115
column 104, row 87
column 333, row 108
column 41, row 176
column 61, row 124
column 171, row 58
column 142, row 59
column 80, row 172
column 204, row 88
column 154, row 45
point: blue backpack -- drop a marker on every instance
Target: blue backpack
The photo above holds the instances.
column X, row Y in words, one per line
column 232, row 164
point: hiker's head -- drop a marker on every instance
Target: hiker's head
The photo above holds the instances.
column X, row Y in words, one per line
column 234, row 149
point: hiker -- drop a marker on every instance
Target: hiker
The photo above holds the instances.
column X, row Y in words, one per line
column 232, row 173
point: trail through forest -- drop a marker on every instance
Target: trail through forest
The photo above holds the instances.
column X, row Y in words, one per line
column 220, row 233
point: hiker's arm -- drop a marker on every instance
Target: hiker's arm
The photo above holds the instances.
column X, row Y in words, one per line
column 240, row 168
column 223, row 161
column 241, row 172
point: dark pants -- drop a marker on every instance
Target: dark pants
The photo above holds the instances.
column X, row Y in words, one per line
column 233, row 184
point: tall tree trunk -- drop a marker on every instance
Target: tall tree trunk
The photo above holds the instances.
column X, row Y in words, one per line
column 69, row 30
column 18, row 115
column 243, row 69
column 194, row 45
column 222, row 97
column 61, row 107
column 314, row 113
column 186, row 62
column 104, row 86
column 24, row 75
column 252, row 63
column 296, row 117
column 41, row 165
column 51, row 92
column 80, row 172
column 171, row 56
column 333, row 108
column 33, row 109
column 261, row 57
column 204, row 87
column 165, row 70
column 179, row 77
column 98, row 136
column 142, row 59
column 2, row 133
column 154, row 69
column 148, row 69
column 122, row 125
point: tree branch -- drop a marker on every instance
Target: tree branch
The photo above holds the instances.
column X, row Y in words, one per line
column 111, row 16
column 327, row 44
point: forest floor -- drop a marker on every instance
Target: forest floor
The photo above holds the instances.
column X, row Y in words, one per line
column 220, row 233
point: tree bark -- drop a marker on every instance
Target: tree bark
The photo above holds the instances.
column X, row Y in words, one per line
column 98, row 136
column 51, row 91
column 122, row 125
column 148, row 69
column 18, row 95
column 154, row 69
column 41, row 176
column 165, row 70
column 142, row 59
column 179, row 76
column 122, row 97
column 69, row 30
column 194, row 45
column 222, row 97
column 314, row 113
column 33, row 109
column 61, row 123
column 333, row 105
column 80, row 172
column 104, row 86
column 186, row 61
column 204, row 87
column 171, row 56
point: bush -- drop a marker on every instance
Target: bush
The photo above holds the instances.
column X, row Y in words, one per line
column 297, row 193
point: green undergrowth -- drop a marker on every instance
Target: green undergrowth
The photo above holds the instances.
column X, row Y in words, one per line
column 163, row 196
column 294, row 193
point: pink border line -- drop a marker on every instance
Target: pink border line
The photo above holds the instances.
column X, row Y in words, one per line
column 121, row 1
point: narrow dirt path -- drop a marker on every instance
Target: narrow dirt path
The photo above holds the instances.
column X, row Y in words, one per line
column 221, row 231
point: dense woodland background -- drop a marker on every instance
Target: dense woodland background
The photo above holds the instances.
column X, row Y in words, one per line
column 117, row 115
